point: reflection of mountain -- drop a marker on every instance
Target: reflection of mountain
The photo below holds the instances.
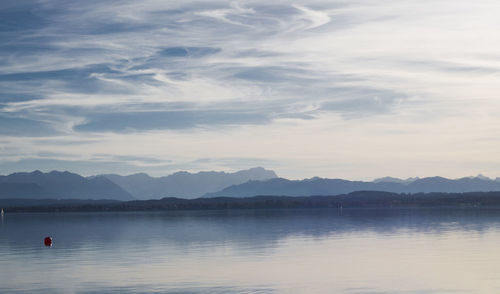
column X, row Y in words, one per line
column 241, row 227
column 59, row 185
column 184, row 184
column 318, row 186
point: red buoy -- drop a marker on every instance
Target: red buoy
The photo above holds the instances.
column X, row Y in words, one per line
column 47, row 241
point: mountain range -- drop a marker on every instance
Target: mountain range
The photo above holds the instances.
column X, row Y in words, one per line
column 245, row 183
column 320, row 186
column 66, row 185
column 186, row 185
column 59, row 185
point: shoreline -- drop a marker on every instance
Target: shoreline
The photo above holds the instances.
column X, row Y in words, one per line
column 361, row 199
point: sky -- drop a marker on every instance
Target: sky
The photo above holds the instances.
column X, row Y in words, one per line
column 338, row 89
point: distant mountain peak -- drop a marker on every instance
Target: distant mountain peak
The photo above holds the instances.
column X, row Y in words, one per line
column 396, row 180
column 259, row 171
column 142, row 175
column 258, row 168
column 482, row 177
column 316, row 178
column 182, row 172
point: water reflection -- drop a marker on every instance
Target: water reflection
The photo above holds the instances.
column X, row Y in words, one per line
column 252, row 251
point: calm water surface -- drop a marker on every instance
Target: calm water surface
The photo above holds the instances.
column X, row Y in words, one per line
column 273, row 251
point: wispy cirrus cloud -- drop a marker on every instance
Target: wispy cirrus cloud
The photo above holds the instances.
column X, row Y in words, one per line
column 158, row 70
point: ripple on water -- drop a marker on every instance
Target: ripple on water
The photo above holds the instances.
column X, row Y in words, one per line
column 306, row 251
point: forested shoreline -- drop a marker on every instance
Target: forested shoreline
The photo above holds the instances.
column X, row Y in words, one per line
column 361, row 199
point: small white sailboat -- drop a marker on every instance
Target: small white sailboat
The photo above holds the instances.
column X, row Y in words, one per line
column 1, row 213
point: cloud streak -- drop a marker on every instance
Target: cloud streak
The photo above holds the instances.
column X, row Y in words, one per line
column 114, row 70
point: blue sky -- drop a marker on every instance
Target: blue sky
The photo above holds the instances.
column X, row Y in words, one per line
column 350, row 89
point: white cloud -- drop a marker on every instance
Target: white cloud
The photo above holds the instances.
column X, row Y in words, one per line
column 408, row 85
column 316, row 18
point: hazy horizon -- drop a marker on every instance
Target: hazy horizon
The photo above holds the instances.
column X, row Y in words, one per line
column 355, row 90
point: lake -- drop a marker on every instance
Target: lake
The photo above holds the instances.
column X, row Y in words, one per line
column 253, row 251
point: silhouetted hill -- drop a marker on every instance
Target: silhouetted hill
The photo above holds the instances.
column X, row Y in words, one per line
column 59, row 185
column 318, row 186
column 20, row 190
column 23, row 202
column 360, row 199
column 184, row 184
column 246, row 183
column 439, row 184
